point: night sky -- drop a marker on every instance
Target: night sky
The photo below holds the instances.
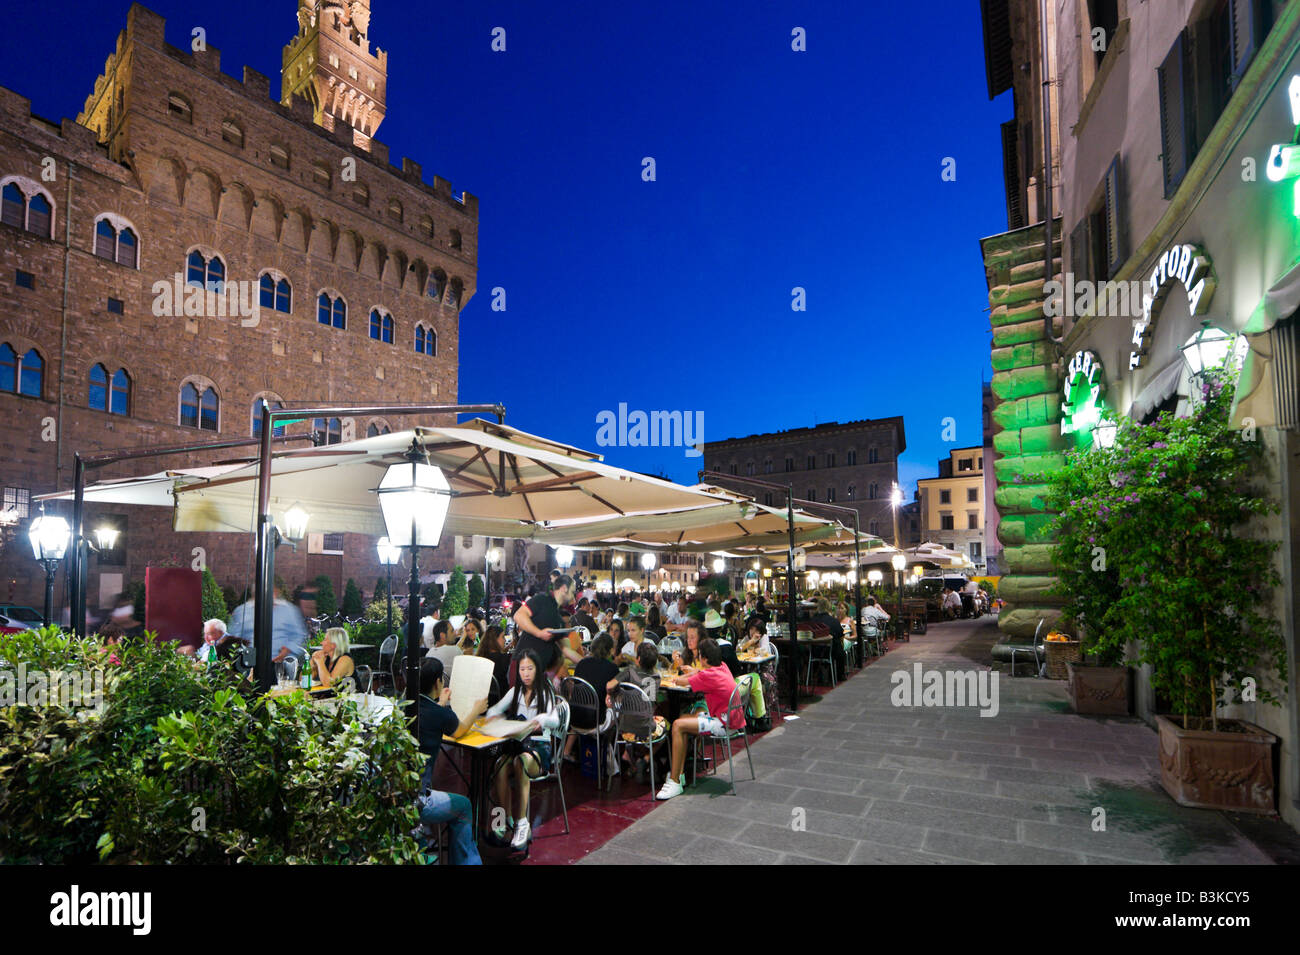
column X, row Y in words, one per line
column 774, row 169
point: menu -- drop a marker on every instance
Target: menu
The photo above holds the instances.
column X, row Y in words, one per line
column 471, row 681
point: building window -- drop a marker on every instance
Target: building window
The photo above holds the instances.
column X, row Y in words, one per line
column 945, row 522
column 202, row 272
column 972, row 494
column 852, row 490
column 25, row 205
column 964, row 464
column 873, row 491
column 1103, row 15
column 811, row 462
column 275, row 293
column 830, row 459
column 232, row 133
column 873, row 455
column 116, row 306
column 331, row 310
column 830, row 495
column 811, row 495
column 453, row 296
column 732, row 469
column 26, row 377
column 280, row 157
column 454, row 238
column 767, row 498
column 426, row 227
column 117, row 243
column 972, row 521
column 109, row 394
column 321, row 173
column 789, row 464
column 767, row 466
column 851, row 458
column 361, row 194
column 945, row 497
column 394, row 210
column 437, row 284
column 426, row 340
column 178, row 107
column 381, row 326
column 24, row 279
column 199, row 410
column 278, row 430
column 332, row 543
column 17, row 504
column 327, row 432
column 375, row 430
column 976, row 551
column 749, row 468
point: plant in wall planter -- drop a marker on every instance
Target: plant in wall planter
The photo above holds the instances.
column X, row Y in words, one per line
column 1155, row 551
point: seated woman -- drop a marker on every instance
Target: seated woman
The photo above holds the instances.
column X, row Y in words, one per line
column 654, row 623
column 689, row 655
column 331, row 662
column 470, row 634
column 600, row 671
column 616, row 633
column 531, row 700
column 755, row 637
column 493, row 647
column 846, row 623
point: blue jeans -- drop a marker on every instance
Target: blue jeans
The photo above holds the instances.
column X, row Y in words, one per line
column 437, row 807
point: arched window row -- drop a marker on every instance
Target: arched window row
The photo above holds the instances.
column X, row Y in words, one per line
column 200, row 407
column 21, row 376
column 426, row 340
column 111, row 393
column 117, row 240
column 26, row 205
column 381, row 326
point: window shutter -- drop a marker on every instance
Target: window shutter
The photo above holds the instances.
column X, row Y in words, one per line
column 1011, row 174
column 1114, row 232
column 1174, row 125
column 1079, row 250
column 1247, row 22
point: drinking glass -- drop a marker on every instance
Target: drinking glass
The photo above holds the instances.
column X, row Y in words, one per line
column 291, row 670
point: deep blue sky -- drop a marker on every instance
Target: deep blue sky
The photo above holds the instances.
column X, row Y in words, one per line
column 775, row 169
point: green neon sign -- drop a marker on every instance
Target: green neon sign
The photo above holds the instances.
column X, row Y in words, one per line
column 1084, row 397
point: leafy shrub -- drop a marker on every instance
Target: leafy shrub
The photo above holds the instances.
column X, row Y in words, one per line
column 456, row 601
column 326, row 603
column 352, row 603
column 214, row 602
column 476, row 591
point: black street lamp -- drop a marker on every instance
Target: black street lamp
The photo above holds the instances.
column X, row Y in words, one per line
column 414, row 498
column 49, row 535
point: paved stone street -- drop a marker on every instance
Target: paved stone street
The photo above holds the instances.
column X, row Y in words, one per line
column 876, row 783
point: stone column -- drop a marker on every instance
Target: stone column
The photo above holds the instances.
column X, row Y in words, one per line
column 1026, row 419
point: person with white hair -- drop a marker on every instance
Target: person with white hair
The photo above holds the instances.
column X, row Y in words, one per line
column 214, row 631
column 332, row 662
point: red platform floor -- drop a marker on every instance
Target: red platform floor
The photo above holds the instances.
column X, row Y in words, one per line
column 595, row 816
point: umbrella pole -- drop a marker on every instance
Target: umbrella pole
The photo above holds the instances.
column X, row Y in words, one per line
column 789, row 586
column 262, row 588
column 857, row 593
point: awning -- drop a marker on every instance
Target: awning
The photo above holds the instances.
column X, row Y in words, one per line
column 1161, row 386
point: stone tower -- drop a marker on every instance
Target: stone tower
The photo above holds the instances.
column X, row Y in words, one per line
column 329, row 63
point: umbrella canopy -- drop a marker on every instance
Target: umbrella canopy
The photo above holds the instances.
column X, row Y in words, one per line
column 502, row 480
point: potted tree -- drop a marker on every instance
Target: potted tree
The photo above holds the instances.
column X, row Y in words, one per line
column 455, row 602
column 1193, row 588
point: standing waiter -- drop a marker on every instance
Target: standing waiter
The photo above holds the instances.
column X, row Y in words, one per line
column 536, row 619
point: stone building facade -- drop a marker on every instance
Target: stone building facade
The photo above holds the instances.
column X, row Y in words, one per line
column 189, row 245
column 854, row 464
column 952, row 504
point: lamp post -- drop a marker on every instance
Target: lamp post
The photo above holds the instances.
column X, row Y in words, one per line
column 1207, row 349
column 492, row 556
column 49, row 535
column 389, row 554
column 899, row 561
column 414, row 498
column 647, row 564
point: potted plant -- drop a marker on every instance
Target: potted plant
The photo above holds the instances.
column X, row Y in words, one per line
column 455, row 602
column 1176, row 572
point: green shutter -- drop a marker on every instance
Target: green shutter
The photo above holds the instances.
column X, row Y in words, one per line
column 1175, row 124
column 1114, row 230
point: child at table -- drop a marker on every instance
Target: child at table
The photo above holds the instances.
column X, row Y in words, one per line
column 756, row 638
column 645, row 671
column 715, row 681
column 636, row 630
column 532, row 700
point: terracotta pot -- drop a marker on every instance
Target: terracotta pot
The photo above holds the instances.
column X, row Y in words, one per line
column 1099, row 691
column 1224, row 770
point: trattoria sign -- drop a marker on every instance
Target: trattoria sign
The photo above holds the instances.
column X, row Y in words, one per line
column 1192, row 268
column 1082, row 405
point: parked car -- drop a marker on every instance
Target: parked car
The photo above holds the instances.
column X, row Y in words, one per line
column 505, row 602
column 18, row 617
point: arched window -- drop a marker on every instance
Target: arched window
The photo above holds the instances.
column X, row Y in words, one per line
column 116, row 241
column 280, row 156
column 205, row 272
column 232, row 133
column 812, row 494
column 872, row 491
column 321, row 173
column 8, row 368
column 874, row 529
column 394, row 210
column 26, row 205
column 437, row 284
column 97, row 398
column 426, row 340
column 381, row 326
column 331, row 310
column 767, row 466
column 851, row 457
column 275, row 293
column 327, row 432
column 199, row 409
column 109, row 394
column 361, row 194
column 376, row 428
column 31, row 379
column 749, row 468
column 453, row 296
column 426, row 227
column 851, row 491
column 830, row 495
column 276, row 405
column 872, row 455
column 455, row 238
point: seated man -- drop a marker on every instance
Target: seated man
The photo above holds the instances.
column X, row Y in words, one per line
column 437, row 720
column 716, row 683
column 951, row 603
column 874, row 614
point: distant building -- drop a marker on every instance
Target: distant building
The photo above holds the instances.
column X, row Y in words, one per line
column 992, row 546
column 854, row 464
column 952, row 504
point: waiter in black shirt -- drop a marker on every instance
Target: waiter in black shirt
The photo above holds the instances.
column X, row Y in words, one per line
column 534, row 622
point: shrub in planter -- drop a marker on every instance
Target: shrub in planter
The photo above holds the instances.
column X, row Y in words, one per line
column 1154, row 549
column 456, row 601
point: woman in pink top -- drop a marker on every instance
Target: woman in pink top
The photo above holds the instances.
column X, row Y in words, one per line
column 717, row 684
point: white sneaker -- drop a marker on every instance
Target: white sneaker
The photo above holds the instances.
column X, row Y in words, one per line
column 522, row 833
column 670, row 789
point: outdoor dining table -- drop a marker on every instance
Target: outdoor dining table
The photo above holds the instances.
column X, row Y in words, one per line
column 482, row 750
column 793, row 651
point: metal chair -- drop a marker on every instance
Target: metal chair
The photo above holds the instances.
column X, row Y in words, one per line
column 1037, row 649
column 872, row 634
column 815, row 657
column 636, row 715
column 387, row 651
column 558, row 737
column 734, row 705
column 582, row 694
column 775, row 664
column 364, row 678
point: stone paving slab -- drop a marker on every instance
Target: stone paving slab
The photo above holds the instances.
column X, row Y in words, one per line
column 857, row 780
